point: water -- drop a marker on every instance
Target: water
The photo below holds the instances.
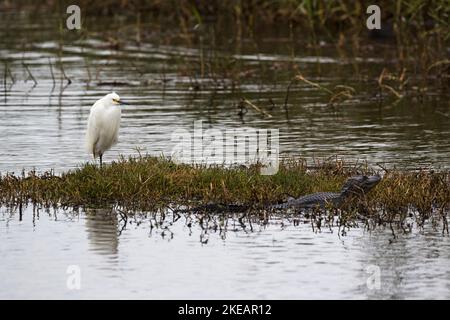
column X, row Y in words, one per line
column 42, row 127
column 172, row 261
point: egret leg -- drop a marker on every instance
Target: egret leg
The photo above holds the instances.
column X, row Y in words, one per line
column 101, row 161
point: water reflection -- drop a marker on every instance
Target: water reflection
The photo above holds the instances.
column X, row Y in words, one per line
column 163, row 256
column 412, row 265
column 102, row 230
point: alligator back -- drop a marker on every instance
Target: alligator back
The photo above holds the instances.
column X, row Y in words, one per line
column 319, row 199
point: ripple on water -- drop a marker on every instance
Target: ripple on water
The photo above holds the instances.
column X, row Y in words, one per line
column 292, row 262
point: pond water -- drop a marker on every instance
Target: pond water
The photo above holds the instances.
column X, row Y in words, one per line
column 278, row 260
column 42, row 126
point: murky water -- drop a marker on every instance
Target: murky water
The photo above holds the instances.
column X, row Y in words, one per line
column 42, row 126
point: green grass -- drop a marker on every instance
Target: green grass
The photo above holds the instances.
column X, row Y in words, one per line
column 149, row 183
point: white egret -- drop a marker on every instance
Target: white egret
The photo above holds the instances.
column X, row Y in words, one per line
column 103, row 125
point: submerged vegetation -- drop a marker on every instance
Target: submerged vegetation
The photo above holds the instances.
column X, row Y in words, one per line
column 149, row 183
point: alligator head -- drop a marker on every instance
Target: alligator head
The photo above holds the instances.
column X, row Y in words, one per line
column 359, row 185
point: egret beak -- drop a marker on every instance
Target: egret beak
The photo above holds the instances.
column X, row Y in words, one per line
column 125, row 103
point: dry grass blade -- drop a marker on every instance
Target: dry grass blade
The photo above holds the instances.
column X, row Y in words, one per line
column 263, row 112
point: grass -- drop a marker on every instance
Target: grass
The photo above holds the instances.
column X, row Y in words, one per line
column 149, row 183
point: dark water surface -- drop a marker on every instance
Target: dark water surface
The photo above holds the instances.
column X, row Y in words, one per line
column 42, row 126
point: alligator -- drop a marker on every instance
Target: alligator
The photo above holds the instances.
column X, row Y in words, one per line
column 354, row 187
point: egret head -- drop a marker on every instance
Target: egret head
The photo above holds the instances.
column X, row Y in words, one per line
column 113, row 98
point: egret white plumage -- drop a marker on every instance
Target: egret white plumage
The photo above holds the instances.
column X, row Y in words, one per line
column 103, row 125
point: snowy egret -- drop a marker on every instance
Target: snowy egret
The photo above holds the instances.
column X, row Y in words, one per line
column 103, row 125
